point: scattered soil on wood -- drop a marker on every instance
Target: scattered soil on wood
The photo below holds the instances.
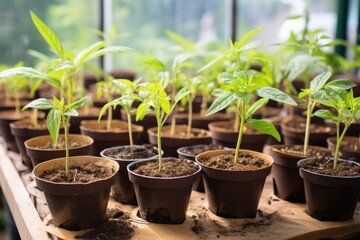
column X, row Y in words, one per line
column 197, row 149
column 206, row 227
column 61, row 144
column 134, row 152
column 116, row 227
column 326, row 167
column 182, row 134
column 299, row 151
column 77, row 174
column 226, row 161
column 171, row 168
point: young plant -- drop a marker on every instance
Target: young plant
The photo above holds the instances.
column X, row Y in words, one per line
column 106, row 88
column 127, row 90
column 156, row 101
column 346, row 109
column 239, row 89
column 316, row 85
column 60, row 113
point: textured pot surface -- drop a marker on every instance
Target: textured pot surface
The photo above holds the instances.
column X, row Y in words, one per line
column 163, row 200
column 234, row 194
column 330, row 198
column 77, row 206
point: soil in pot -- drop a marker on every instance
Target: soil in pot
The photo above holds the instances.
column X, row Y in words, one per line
column 118, row 134
column 23, row 130
column 293, row 131
column 170, row 144
column 163, row 196
column 234, row 190
column 223, row 133
column 80, row 200
column 349, row 149
column 288, row 185
column 331, row 194
column 123, row 189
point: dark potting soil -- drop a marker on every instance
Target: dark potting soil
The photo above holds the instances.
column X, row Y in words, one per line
column 135, row 152
column 171, row 168
column 299, row 151
column 116, row 227
column 226, row 161
column 197, row 149
column 77, row 174
column 61, row 144
column 326, row 167
column 182, row 134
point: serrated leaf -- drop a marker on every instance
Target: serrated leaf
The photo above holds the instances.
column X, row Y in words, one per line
column 256, row 106
column 182, row 93
column 319, row 81
column 40, row 103
column 265, row 127
column 141, row 111
column 49, row 36
column 86, row 53
column 53, row 121
column 276, row 95
column 221, row 102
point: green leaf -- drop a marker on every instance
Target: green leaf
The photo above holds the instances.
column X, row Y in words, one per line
column 105, row 107
column 76, row 104
column 71, row 112
column 108, row 50
column 41, row 103
column 294, row 17
column 325, row 114
column 221, row 102
column 256, row 106
column 211, row 63
column 182, row 93
column 249, row 35
column 62, row 66
column 341, row 84
column 165, row 105
column 276, row 95
column 225, row 77
column 251, row 45
column 48, row 35
column 304, row 93
column 357, row 115
column 265, row 127
column 30, row 73
column 141, row 111
column 86, row 53
column 155, row 63
column 53, row 121
column 319, row 81
column 186, row 45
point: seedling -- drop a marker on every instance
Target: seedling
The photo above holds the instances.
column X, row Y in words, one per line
column 127, row 90
column 60, row 113
column 346, row 109
column 316, row 85
column 156, row 101
column 239, row 89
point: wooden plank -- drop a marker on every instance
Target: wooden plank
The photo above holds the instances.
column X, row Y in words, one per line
column 25, row 215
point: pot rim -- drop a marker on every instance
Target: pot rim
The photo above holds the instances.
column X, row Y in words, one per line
column 88, row 143
column 164, row 178
column 153, row 131
column 84, row 126
column 102, row 154
column 275, row 150
column 114, row 165
column 325, row 175
column 222, row 151
column 192, row 155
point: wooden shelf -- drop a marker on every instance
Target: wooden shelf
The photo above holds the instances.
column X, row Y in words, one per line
column 276, row 219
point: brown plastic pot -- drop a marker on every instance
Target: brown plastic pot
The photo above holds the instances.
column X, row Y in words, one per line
column 163, row 200
column 234, row 194
column 76, row 206
column 40, row 155
column 7, row 117
column 23, row 131
column 201, row 121
column 330, row 198
column 221, row 134
column 123, row 189
column 92, row 114
column 171, row 144
column 349, row 155
column 117, row 136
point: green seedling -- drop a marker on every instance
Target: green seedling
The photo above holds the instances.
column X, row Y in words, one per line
column 60, row 113
column 346, row 109
column 239, row 89
column 307, row 95
column 155, row 101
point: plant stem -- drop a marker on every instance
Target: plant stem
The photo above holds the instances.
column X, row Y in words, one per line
column 203, row 105
column 130, row 129
column 66, row 131
column 310, row 108
column 35, row 117
column 238, row 143
column 338, row 142
column 17, row 103
column 159, row 142
column 190, row 113
column 173, row 124
column 109, row 119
